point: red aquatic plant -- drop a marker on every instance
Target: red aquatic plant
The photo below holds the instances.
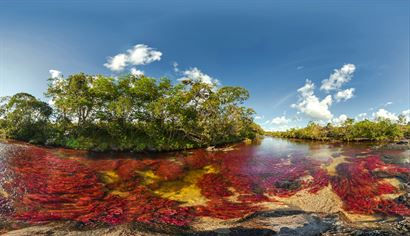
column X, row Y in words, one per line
column 223, row 209
column 169, row 170
column 46, row 187
column 255, row 198
column 214, row 186
column 320, row 180
column 69, row 190
column 197, row 160
column 127, row 168
column 360, row 191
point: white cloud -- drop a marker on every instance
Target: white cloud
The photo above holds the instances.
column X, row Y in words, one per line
column 299, row 67
column 55, row 74
column 384, row 114
column 195, row 74
column 140, row 54
column 344, row 94
column 259, row 117
column 361, row 116
column 280, row 120
column 338, row 78
column 388, row 104
column 310, row 105
column 339, row 120
column 117, row 63
column 175, row 65
column 278, row 128
column 136, row 72
column 406, row 114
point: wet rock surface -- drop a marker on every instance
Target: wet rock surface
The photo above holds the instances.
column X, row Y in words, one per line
column 400, row 145
column 281, row 222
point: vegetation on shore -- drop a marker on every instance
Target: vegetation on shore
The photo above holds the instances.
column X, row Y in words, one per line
column 129, row 113
column 366, row 130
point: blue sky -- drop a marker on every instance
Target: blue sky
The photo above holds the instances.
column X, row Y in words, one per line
column 269, row 47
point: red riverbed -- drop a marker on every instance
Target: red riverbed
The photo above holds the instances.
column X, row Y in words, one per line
column 43, row 185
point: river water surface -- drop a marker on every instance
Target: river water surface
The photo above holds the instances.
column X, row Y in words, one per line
column 200, row 190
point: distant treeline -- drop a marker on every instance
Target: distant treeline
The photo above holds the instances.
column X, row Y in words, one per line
column 129, row 113
column 366, row 130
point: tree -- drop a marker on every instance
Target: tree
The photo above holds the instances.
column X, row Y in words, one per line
column 143, row 113
column 25, row 118
column 73, row 97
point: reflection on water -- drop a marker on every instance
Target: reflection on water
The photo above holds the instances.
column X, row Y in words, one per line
column 41, row 185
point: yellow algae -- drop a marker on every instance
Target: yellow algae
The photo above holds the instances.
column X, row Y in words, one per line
column 210, row 169
column 331, row 168
column 109, row 177
column 186, row 189
column 181, row 191
column 120, row 193
column 3, row 193
column 149, row 177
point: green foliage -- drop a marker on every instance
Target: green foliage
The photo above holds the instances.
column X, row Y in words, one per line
column 379, row 130
column 130, row 113
column 25, row 118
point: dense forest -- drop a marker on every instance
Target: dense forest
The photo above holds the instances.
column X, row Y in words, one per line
column 365, row 130
column 135, row 113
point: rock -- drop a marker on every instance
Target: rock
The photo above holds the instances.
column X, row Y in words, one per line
column 396, row 159
column 291, row 185
column 403, row 142
column 221, row 149
column 64, row 229
column 396, row 146
column 278, row 222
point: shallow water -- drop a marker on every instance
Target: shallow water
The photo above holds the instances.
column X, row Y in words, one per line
column 200, row 189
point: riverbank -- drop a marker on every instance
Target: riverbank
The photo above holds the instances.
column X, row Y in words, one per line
column 349, row 131
column 219, row 147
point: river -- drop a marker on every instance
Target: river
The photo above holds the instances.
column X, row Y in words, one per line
column 273, row 186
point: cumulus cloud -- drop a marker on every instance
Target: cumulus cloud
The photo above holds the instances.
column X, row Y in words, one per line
column 361, row 116
column 339, row 120
column 117, row 63
column 344, row 94
column 136, row 72
column 55, row 74
column 140, row 54
column 259, row 117
column 406, row 114
column 310, row 105
column 280, row 120
column 194, row 74
column 385, row 115
column 338, row 78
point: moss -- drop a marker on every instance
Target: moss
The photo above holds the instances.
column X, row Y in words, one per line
column 186, row 189
column 109, row 177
